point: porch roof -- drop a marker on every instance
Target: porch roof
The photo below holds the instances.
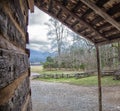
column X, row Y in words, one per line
column 96, row 20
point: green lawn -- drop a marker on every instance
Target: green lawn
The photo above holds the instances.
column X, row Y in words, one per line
column 88, row 81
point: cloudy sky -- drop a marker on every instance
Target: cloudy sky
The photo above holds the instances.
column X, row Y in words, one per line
column 38, row 31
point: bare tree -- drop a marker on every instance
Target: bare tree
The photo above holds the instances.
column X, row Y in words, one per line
column 56, row 34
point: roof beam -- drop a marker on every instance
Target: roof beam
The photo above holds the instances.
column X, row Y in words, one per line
column 100, row 3
column 66, row 18
column 31, row 5
column 101, row 13
column 114, row 9
column 65, row 2
column 50, row 6
column 76, row 22
column 59, row 12
column 77, row 6
column 87, row 12
column 108, row 42
column 80, row 20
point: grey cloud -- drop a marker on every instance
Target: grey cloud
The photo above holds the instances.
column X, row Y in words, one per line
column 42, row 48
column 38, row 17
column 45, row 48
column 39, row 42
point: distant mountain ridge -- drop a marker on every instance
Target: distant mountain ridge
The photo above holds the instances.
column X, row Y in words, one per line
column 38, row 56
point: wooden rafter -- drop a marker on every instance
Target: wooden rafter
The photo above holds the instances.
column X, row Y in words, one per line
column 87, row 11
column 107, row 42
column 109, row 31
column 103, row 26
column 50, row 6
column 81, row 29
column 101, row 13
column 117, row 19
column 114, row 9
column 76, row 22
column 97, row 19
column 77, row 6
column 100, row 3
column 31, row 5
column 66, row 18
column 59, row 12
column 77, row 17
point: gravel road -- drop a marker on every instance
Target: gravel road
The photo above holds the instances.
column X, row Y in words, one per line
column 64, row 97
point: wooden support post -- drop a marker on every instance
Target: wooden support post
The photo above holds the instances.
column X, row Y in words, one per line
column 99, row 79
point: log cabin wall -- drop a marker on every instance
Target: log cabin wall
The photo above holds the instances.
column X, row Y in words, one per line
column 15, row 92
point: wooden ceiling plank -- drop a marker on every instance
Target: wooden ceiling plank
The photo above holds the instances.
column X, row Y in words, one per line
column 115, row 36
column 109, row 31
column 65, row 2
column 76, row 22
column 114, row 9
column 117, row 19
column 66, row 18
column 80, row 30
column 59, row 12
column 97, row 20
column 87, row 33
column 77, row 17
column 103, row 26
column 101, row 13
column 87, row 12
column 31, row 5
column 100, row 3
column 77, row 6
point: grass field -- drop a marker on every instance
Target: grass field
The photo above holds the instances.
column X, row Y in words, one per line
column 36, row 69
column 40, row 70
column 88, row 81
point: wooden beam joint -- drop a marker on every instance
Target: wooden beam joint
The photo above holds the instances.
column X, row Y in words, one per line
column 101, row 13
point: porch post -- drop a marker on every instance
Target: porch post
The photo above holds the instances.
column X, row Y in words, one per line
column 99, row 79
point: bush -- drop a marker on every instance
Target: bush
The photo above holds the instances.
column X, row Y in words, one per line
column 82, row 66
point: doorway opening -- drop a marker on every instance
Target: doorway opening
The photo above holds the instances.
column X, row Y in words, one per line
column 71, row 60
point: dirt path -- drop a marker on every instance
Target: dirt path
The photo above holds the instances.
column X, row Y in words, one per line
column 64, row 97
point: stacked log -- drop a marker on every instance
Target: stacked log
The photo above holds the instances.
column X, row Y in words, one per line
column 15, row 92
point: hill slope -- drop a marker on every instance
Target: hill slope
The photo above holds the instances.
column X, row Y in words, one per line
column 38, row 56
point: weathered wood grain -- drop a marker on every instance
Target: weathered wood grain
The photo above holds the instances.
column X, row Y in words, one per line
column 20, row 89
column 12, row 65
